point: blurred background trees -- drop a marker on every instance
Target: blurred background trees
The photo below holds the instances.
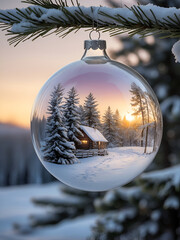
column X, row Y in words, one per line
column 149, row 207
column 18, row 161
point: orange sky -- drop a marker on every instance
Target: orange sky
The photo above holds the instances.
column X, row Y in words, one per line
column 25, row 68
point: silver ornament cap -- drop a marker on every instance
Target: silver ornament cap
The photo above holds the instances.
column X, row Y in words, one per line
column 95, row 44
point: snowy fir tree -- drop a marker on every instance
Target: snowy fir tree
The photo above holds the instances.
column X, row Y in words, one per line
column 153, row 109
column 82, row 115
column 91, row 112
column 147, row 115
column 72, row 116
column 149, row 209
column 140, row 105
column 153, row 59
column 57, row 148
column 125, row 131
column 70, row 204
column 118, row 129
column 109, row 128
column 137, row 103
column 117, row 119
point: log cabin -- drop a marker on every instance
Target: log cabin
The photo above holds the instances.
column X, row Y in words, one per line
column 91, row 139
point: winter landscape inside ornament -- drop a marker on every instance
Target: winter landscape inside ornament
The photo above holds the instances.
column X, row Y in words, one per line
column 96, row 124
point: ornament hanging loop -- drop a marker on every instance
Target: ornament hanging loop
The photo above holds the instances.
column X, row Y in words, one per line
column 94, row 30
column 95, row 43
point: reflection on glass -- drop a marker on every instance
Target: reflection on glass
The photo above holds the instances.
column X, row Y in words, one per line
column 96, row 126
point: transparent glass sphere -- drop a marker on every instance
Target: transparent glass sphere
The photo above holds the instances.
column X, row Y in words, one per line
column 96, row 124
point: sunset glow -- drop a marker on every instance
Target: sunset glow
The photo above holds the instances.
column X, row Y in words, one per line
column 129, row 117
column 25, row 69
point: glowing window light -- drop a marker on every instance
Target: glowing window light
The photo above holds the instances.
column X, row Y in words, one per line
column 84, row 141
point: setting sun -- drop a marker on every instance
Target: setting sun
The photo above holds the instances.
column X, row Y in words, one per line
column 129, row 117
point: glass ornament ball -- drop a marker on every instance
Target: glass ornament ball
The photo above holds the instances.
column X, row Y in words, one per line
column 96, row 124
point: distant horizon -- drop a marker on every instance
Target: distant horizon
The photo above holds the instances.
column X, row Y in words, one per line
column 15, row 125
column 25, row 68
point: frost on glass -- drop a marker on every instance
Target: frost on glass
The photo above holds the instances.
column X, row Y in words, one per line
column 96, row 124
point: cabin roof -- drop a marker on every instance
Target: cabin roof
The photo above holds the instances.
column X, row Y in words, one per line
column 93, row 134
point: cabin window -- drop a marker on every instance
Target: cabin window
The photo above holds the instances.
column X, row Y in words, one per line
column 84, row 141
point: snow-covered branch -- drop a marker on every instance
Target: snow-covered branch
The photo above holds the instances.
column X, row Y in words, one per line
column 48, row 17
column 171, row 108
column 35, row 21
column 176, row 51
column 163, row 180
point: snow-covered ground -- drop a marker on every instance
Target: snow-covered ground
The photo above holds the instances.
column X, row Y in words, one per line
column 16, row 206
column 100, row 173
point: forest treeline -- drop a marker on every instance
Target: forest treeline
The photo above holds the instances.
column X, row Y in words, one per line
column 18, row 162
column 65, row 115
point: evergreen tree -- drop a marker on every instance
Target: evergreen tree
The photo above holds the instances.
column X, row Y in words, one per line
column 141, row 107
column 92, row 118
column 151, row 210
column 118, row 128
column 148, row 211
column 109, row 129
column 125, row 131
column 154, row 200
column 154, row 112
column 137, row 101
column 117, row 119
column 70, row 204
column 138, row 106
column 72, row 117
column 147, row 121
column 82, row 115
column 57, row 148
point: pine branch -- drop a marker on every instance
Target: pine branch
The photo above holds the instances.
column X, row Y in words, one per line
column 56, row 17
column 47, row 3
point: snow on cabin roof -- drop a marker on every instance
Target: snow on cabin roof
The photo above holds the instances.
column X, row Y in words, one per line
column 93, row 134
